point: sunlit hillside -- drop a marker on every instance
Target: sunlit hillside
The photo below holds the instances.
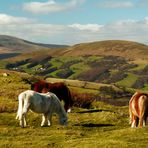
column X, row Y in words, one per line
column 123, row 63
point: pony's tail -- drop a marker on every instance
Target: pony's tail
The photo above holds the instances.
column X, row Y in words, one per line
column 20, row 107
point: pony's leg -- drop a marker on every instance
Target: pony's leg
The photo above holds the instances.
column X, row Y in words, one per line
column 69, row 110
column 25, row 110
column 22, row 122
column 134, row 121
column 142, row 121
column 25, row 123
column 133, row 124
column 49, row 119
column 43, row 120
column 66, row 106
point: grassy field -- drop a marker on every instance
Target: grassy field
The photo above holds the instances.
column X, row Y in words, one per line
column 101, row 125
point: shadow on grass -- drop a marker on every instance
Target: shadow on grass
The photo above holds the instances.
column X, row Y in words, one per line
column 93, row 125
column 93, row 111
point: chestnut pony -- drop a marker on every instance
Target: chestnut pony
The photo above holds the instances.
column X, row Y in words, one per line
column 58, row 88
column 138, row 109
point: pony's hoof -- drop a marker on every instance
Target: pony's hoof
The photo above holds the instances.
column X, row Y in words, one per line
column 69, row 110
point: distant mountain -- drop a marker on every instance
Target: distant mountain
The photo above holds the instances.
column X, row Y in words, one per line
column 13, row 44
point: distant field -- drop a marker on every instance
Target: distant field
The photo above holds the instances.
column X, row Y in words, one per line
column 108, row 70
column 117, row 62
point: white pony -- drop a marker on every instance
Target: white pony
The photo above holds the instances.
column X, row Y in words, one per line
column 46, row 104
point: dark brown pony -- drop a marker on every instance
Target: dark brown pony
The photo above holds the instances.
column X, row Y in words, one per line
column 138, row 109
column 58, row 88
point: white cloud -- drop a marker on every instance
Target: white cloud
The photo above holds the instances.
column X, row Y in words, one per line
column 86, row 27
column 8, row 20
column 116, row 4
column 50, row 6
column 135, row 30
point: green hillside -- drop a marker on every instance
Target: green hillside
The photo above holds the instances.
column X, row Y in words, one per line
column 123, row 63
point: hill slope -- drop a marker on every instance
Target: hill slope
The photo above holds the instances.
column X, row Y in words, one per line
column 126, row 49
column 13, row 44
column 120, row 62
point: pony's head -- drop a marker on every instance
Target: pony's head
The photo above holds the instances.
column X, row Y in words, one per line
column 63, row 116
column 63, row 121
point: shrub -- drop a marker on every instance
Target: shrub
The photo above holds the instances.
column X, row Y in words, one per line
column 47, row 71
column 140, row 82
column 32, row 64
column 114, row 92
column 16, row 64
column 144, row 71
column 64, row 73
column 117, row 77
column 69, row 63
column 94, row 74
column 82, row 100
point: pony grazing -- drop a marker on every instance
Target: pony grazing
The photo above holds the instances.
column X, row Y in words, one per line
column 46, row 104
column 138, row 109
column 58, row 88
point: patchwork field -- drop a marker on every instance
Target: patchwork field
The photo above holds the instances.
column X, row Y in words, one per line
column 123, row 63
column 98, row 69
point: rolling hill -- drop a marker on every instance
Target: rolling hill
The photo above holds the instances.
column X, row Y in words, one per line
column 117, row 62
column 12, row 44
column 126, row 49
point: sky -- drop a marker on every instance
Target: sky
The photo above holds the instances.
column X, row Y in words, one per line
column 72, row 22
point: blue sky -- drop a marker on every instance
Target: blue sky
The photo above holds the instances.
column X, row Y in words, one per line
column 75, row 21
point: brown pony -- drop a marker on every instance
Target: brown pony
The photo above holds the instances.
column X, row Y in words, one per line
column 138, row 109
column 58, row 88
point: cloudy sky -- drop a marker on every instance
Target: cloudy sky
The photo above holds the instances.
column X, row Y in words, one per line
column 75, row 21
